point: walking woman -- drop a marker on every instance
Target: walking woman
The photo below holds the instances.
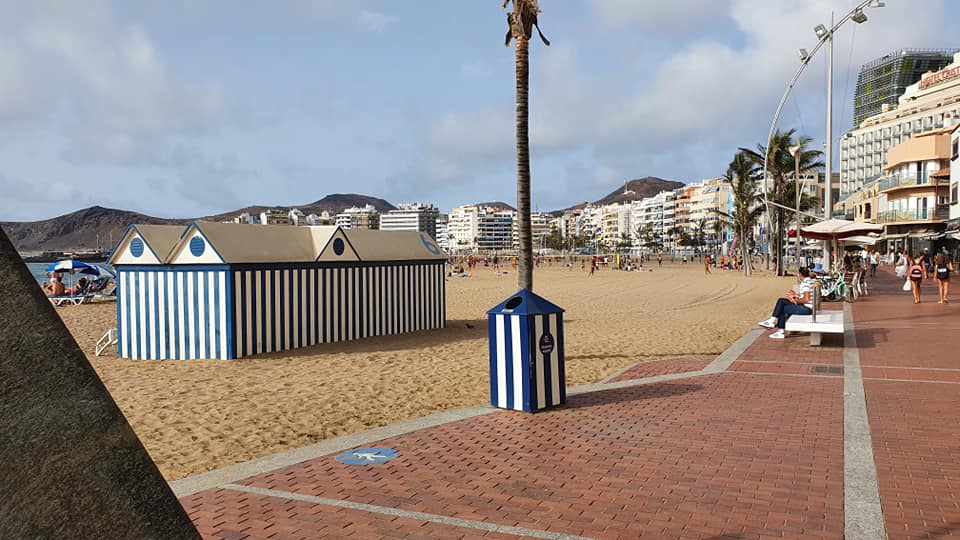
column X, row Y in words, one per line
column 916, row 273
column 942, row 266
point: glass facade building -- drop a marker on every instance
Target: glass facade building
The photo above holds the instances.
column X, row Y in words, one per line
column 885, row 79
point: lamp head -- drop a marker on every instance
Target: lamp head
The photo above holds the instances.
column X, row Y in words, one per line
column 859, row 16
column 877, row 4
column 821, row 31
column 804, row 55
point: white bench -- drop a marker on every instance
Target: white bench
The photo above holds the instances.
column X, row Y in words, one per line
column 828, row 322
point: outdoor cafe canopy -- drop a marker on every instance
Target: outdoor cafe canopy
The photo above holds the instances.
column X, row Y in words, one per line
column 835, row 229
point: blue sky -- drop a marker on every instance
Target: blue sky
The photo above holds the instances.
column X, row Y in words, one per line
column 193, row 107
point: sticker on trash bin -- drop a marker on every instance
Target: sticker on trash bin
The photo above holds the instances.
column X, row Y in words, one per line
column 546, row 343
column 367, row 456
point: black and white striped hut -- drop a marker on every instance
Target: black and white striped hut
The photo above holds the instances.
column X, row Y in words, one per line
column 217, row 290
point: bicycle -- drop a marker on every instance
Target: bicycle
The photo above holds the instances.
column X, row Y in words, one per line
column 836, row 289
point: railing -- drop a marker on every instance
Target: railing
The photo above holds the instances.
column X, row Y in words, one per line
column 941, row 212
column 913, row 180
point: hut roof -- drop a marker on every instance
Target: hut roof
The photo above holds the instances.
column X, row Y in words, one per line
column 158, row 239
column 239, row 243
column 372, row 245
column 161, row 238
column 232, row 243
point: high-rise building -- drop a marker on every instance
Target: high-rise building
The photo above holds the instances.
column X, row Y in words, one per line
column 931, row 103
column 411, row 217
column 883, row 81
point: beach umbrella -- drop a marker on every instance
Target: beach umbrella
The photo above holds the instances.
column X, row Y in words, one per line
column 837, row 229
column 78, row 267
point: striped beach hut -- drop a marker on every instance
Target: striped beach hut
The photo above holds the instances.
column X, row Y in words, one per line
column 217, row 290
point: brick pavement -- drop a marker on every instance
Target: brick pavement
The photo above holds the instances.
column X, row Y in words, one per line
column 753, row 452
column 916, row 438
column 652, row 368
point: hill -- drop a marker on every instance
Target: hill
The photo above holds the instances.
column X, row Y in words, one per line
column 495, row 204
column 79, row 230
column 334, row 203
column 634, row 190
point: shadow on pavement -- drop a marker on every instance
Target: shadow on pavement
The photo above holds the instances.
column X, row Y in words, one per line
column 634, row 393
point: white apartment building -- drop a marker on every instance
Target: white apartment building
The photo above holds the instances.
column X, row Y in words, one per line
column 540, row 225
column 296, row 217
column 359, row 218
column 274, row 217
column 931, row 103
column 411, row 217
column 463, row 227
column 247, row 218
column 443, row 232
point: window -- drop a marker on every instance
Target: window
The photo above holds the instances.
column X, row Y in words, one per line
column 953, row 149
column 953, row 192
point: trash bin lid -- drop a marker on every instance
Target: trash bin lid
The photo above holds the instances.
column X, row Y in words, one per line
column 525, row 302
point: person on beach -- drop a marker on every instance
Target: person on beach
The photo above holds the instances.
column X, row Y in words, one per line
column 659, row 260
column 874, row 262
column 55, row 287
column 942, row 266
column 917, row 272
column 791, row 304
column 706, row 265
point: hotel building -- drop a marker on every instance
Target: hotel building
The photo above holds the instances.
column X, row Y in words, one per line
column 411, row 217
column 932, row 103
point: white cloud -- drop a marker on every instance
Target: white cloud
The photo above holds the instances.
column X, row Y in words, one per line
column 690, row 111
column 375, row 21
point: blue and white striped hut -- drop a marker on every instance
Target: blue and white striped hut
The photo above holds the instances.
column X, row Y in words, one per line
column 228, row 290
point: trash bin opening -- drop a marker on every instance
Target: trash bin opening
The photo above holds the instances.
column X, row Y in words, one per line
column 513, row 302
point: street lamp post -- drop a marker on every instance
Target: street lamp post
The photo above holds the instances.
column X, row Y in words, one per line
column 795, row 151
column 825, row 37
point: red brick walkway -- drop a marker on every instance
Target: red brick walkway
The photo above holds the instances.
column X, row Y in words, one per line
column 754, row 452
column 916, row 436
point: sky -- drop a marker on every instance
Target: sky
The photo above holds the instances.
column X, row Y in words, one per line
column 187, row 108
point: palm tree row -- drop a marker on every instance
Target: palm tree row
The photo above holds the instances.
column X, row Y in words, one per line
column 786, row 154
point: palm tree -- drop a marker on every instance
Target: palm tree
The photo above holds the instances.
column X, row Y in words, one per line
column 521, row 22
column 747, row 208
column 781, row 165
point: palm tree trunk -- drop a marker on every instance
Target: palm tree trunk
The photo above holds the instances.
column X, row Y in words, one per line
column 525, row 274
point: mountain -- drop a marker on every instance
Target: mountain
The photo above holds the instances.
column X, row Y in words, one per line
column 334, row 203
column 78, row 230
column 634, row 190
column 496, row 204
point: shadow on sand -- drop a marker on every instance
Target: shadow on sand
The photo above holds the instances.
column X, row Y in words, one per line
column 457, row 330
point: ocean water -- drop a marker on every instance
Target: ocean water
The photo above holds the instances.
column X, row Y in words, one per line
column 39, row 271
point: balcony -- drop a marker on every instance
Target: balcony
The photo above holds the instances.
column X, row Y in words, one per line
column 895, row 182
column 940, row 213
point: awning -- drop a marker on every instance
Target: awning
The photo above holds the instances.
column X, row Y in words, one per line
column 894, row 236
column 955, row 236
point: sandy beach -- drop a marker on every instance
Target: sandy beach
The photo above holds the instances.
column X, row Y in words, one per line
column 194, row 416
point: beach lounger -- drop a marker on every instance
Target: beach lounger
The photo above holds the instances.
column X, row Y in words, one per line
column 75, row 300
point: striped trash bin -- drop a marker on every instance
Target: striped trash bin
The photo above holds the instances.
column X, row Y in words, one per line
column 526, row 354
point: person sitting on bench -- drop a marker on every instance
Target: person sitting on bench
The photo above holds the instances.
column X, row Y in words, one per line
column 791, row 304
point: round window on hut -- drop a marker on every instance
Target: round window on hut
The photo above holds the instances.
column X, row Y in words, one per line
column 514, row 302
column 338, row 246
column 136, row 247
column 197, row 246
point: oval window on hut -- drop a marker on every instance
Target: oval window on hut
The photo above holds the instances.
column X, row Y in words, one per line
column 197, row 246
column 136, row 247
column 338, row 246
